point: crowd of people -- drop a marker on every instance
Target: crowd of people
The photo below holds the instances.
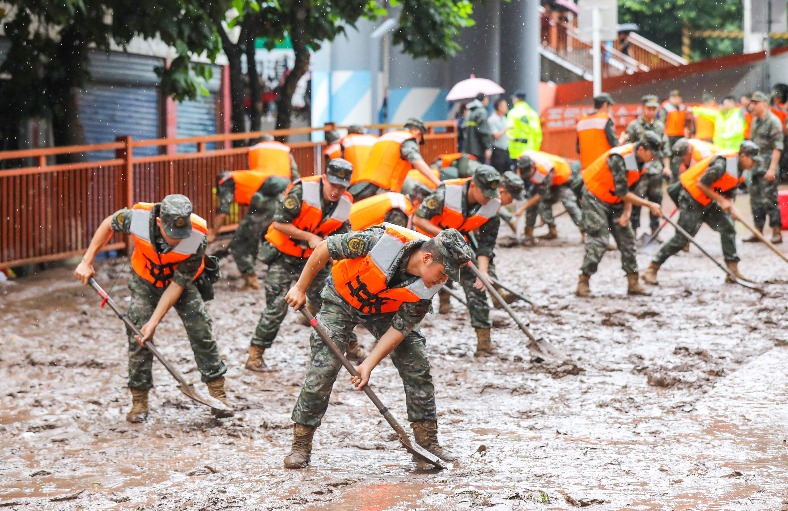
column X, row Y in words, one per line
column 380, row 232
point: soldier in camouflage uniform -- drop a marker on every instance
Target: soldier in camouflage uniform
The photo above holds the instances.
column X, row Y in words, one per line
column 650, row 185
column 169, row 246
column 767, row 132
column 605, row 205
column 469, row 205
column 400, row 271
column 295, row 232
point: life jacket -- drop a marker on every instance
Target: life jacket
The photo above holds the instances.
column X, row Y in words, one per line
column 332, row 151
column 598, row 177
column 421, row 178
column 271, row 156
column 747, row 123
column 148, row 264
column 728, row 181
column 675, row 119
column 247, row 183
column 310, row 218
column 781, row 114
column 356, row 149
column 545, row 163
column 364, row 281
column 449, row 158
column 700, row 151
column 385, row 167
column 452, row 215
column 592, row 138
column 704, row 128
column 372, row 210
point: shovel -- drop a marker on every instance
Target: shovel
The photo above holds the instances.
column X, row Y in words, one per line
column 758, row 235
column 412, row 447
column 541, row 220
column 645, row 240
column 516, row 293
column 730, row 275
column 540, row 347
column 454, row 294
column 184, row 386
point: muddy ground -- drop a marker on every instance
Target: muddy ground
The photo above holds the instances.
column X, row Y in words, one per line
column 679, row 401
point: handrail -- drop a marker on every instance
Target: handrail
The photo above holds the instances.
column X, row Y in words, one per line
column 53, row 151
column 652, row 47
column 628, row 62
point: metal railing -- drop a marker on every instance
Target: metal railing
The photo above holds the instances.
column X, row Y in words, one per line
column 50, row 211
column 651, row 54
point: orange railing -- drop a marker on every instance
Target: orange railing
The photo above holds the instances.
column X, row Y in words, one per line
column 50, row 211
column 651, row 54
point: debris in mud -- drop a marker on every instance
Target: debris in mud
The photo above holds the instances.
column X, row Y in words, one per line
column 581, row 502
column 735, row 473
column 40, row 473
column 73, row 496
column 662, row 380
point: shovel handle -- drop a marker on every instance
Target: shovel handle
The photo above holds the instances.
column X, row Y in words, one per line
column 758, row 234
column 500, row 300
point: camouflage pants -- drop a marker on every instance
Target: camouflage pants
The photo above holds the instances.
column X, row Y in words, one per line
column 545, row 208
column 282, row 273
column 692, row 214
column 649, row 187
column 478, row 306
column 763, row 200
column 251, row 229
column 410, row 359
column 601, row 220
column 191, row 309
column 364, row 190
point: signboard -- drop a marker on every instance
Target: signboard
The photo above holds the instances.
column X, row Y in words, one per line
column 760, row 16
column 608, row 10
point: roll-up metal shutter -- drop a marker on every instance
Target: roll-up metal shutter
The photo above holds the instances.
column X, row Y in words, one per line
column 196, row 118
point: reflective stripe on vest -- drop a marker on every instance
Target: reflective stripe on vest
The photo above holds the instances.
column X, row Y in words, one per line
column 363, row 282
column 545, row 163
column 729, row 180
column 598, row 177
column 272, row 157
column 385, row 167
column 333, row 151
column 592, row 138
column 700, row 150
column 452, row 216
column 148, row 264
column 372, row 210
column 310, row 218
column 675, row 119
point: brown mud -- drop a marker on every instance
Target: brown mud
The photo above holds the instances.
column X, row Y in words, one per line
column 672, row 402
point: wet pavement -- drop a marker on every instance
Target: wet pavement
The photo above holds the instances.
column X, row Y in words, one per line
column 672, row 402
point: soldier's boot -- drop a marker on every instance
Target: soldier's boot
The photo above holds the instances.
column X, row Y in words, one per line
column 528, row 236
column 301, row 451
column 216, row 390
column 250, row 281
column 650, row 275
column 686, row 247
column 634, row 287
column 139, row 406
column 484, row 345
column 444, row 303
column 355, row 352
column 733, row 267
column 753, row 238
column 506, row 295
column 312, row 310
column 552, row 233
column 426, row 435
column 777, row 235
column 583, row 286
column 255, row 362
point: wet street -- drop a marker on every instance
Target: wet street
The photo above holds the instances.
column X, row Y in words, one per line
column 670, row 402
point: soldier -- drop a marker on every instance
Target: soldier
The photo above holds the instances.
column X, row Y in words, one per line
column 469, row 204
column 477, row 135
column 673, row 115
column 270, row 155
column 650, row 185
column 511, row 190
column 596, row 132
column 311, row 209
column 169, row 246
column 332, row 149
column 687, row 152
column 392, row 156
column 549, row 176
column 356, row 146
column 259, row 190
column 706, row 195
column 767, row 133
column 605, row 202
column 383, row 278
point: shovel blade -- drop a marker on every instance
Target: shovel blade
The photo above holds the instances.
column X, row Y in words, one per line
column 197, row 396
column 423, row 454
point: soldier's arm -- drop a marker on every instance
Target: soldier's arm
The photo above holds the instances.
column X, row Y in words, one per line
column 120, row 221
column 617, row 167
column 532, row 201
column 776, row 138
column 485, row 238
column 432, row 206
column 187, row 270
column 225, row 189
column 714, row 171
column 610, row 133
column 296, row 297
column 287, row 211
column 166, row 302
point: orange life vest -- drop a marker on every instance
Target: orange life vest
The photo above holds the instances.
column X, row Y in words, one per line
column 546, row 162
column 781, row 114
column 449, row 158
column 310, row 218
column 729, row 180
column 385, row 167
column 356, row 148
column 372, row 210
column 592, row 138
column 271, row 156
column 747, row 123
column 333, row 151
column 247, row 183
column 421, row 178
column 151, row 266
column 364, row 281
column 598, row 177
column 700, row 150
column 452, row 215
column 704, row 128
column 675, row 119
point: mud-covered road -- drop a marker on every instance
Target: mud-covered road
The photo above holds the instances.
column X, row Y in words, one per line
column 680, row 401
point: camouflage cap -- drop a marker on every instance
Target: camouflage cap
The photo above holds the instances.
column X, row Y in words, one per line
column 752, row 150
column 650, row 100
column 604, row 97
column 760, row 96
column 524, row 162
column 680, row 147
column 338, row 172
column 175, row 213
column 356, row 129
column 674, row 93
column 513, row 184
column 419, row 191
column 417, row 124
column 653, row 143
column 332, row 136
column 455, row 252
column 487, row 179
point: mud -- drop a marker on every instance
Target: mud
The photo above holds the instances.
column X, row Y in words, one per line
column 673, row 402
